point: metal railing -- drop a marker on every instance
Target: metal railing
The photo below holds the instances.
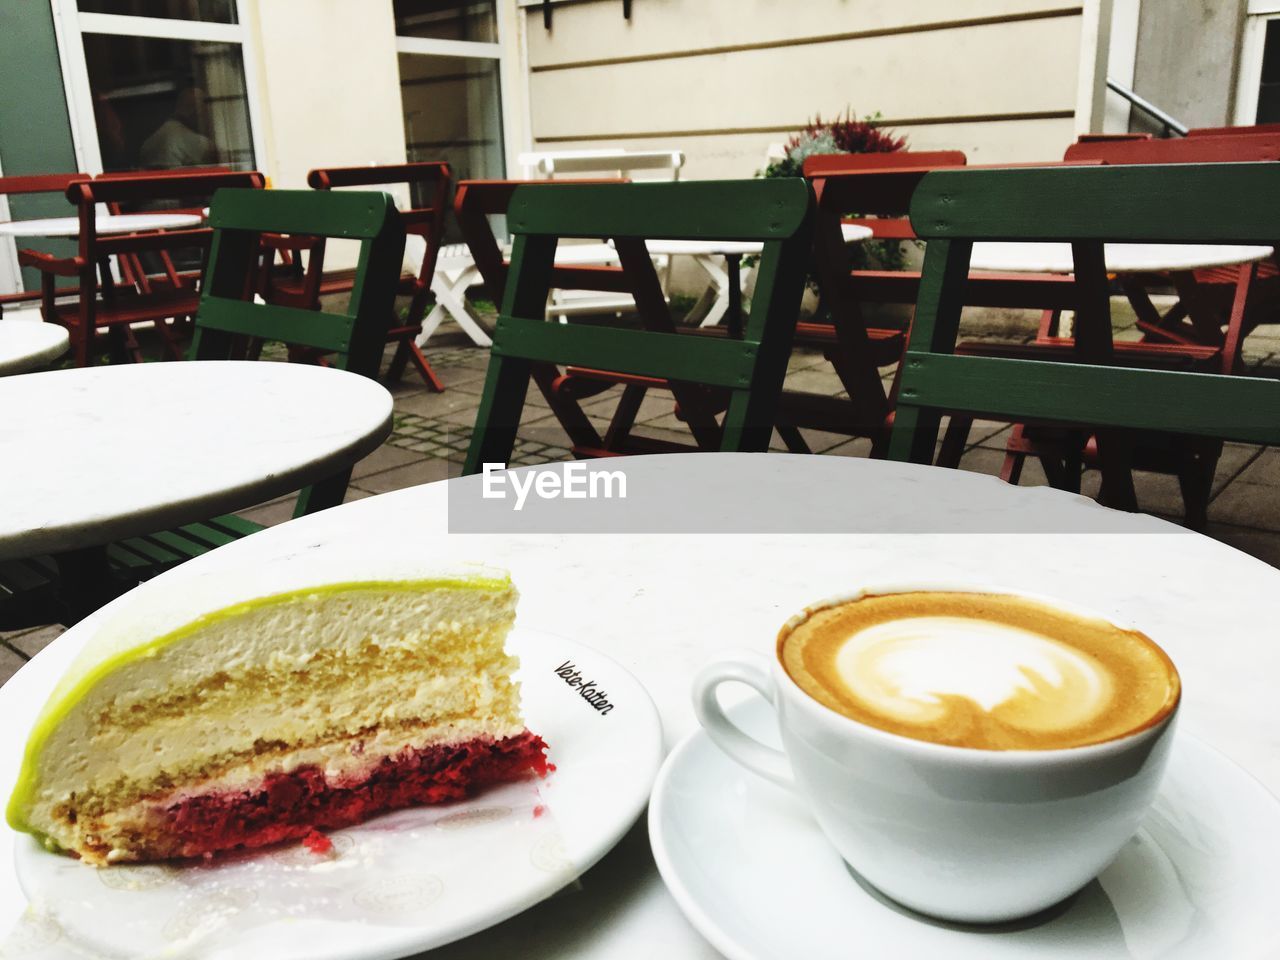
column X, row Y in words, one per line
column 1170, row 124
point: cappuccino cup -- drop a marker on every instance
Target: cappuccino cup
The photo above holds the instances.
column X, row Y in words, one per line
column 976, row 755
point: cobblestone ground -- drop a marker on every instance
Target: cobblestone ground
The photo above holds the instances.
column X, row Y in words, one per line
column 432, row 430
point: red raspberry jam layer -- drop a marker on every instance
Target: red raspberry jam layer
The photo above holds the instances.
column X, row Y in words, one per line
column 289, row 806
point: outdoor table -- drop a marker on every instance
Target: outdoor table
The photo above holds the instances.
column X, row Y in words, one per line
column 726, row 284
column 1134, row 263
column 104, row 223
column 29, row 345
column 1120, row 257
column 99, row 454
column 630, row 595
column 103, row 453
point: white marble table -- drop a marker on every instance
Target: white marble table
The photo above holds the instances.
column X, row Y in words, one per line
column 104, row 223
column 96, row 454
column 30, row 344
column 664, row 603
column 1019, row 257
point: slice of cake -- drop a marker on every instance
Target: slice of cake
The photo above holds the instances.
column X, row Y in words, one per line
column 266, row 720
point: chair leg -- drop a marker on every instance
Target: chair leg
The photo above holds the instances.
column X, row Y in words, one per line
column 1195, row 480
column 624, row 417
column 168, row 334
column 329, row 492
column 1011, row 469
column 399, row 360
column 81, row 338
column 419, row 361
column 1115, row 457
column 954, row 440
column 498, row 418
column 577, row 425
column 792, row 437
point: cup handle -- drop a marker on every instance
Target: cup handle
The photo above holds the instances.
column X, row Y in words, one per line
column 749, row 752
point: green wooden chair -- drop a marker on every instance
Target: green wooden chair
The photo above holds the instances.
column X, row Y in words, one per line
column 751, row 369
column 227, row 321
column 1085, row 206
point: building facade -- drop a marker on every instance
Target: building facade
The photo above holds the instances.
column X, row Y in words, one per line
column 287, row 85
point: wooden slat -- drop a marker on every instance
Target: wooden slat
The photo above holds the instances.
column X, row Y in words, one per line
column 1179, row 203
column 1231, row 408
column 351, row 214
column 309, row 328
column 706, row 210
column 720, row 363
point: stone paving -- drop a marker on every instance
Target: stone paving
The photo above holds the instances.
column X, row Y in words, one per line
column 431, row 433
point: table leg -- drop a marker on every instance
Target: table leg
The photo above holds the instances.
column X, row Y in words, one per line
column 86, row 583
column 452, row 298
column 721, row 285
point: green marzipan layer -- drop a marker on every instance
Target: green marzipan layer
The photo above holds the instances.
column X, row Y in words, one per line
column 57, row 708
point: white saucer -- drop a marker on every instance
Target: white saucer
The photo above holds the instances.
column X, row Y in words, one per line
column 398, row 884
column 753, row 873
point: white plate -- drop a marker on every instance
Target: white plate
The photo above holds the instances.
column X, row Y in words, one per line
column 401, row 883
column 752, row 871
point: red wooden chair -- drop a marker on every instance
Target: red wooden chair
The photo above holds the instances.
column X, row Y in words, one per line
column 37, row 184
column 879, row 188
column 1245, row 131
column 304, row 289
column 564, row 388
column 104, row 305
column 1205, row 297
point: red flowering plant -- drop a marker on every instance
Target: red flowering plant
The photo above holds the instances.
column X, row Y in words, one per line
column 844, row 134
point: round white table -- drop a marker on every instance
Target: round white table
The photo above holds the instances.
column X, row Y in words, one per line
column 104, row 223
column 1019, row 257
column 665, row 603
column 30, row 344
column 97, row 454
column 726, row 284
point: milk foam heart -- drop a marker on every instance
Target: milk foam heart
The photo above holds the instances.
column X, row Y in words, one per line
column 978, row 670
column 911, row 669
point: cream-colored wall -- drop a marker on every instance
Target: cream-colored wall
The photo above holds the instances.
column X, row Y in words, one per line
column 723, row 79
column 329, row 85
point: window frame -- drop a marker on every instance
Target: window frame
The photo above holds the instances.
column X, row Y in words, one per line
column 70, row 26
column 498, row 50
column 1249, row 72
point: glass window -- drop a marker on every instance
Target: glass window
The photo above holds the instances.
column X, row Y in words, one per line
column 161, row 103
column 473, row 20
column 452, row 113
column 210, row 11
column 1269, row 91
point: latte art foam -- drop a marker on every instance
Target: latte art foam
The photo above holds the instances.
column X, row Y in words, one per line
column 912, row 669
column 977, row 670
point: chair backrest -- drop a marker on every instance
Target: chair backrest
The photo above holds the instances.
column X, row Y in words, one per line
column 39, row 183
column 44, row 183
column 775, row 213
column 113, row 191
column 227, row 314
column 607, row 162
column 1245, row 131
column 430, row 181
column 1085, row 206
column 477, row 200
column 132, row 268
column 881, row 200
column 1192, row 150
